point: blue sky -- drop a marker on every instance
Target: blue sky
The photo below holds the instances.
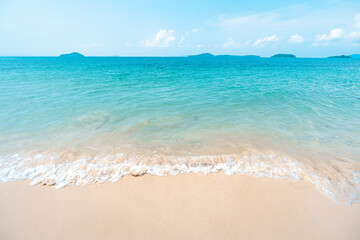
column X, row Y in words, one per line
column 315, row 28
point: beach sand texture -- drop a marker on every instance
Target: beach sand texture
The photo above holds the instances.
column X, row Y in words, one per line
column 189, row 206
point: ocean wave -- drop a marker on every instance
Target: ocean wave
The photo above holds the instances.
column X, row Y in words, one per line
column 340, row 181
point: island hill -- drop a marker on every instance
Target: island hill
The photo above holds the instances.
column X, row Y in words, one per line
column 341, row 56
column 72, row 55
column 346, row 56
column 280, row 55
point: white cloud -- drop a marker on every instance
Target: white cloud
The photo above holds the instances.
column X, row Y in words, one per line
column 163, row 38
column 316, row 22
column 296, row 39
column 262, row 41
column 334, row 34
column 200, row 46
column 181, row 40
column 231, row 43
column 353, row 36
column 194, row 30
column 357, row 20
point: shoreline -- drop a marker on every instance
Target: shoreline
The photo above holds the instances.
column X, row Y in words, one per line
column 338, row 180
column 187, row 206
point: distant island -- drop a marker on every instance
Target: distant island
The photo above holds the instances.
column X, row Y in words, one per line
column 209, row 55
column 72, row 55
column 203, row 55
column 283, row 56
column 341, row 56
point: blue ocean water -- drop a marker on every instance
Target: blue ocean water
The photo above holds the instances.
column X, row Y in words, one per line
column 79, row 121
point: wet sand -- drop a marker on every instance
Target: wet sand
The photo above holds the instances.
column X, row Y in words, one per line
column 188, row 206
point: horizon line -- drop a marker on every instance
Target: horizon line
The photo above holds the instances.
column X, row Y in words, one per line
column 230, row 55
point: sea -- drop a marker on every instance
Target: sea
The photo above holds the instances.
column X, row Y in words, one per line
column 66, row 121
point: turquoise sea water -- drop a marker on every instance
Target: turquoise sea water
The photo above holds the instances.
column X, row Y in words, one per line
column 78, row 121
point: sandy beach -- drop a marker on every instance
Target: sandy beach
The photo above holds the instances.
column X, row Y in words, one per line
column 188, row 206
column 180, row 120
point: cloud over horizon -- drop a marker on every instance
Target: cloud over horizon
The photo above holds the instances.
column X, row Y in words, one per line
column 163, row 38
column 262, row 41
column 296, row 39
column 357, row 20
column 334, row 34
column 231, row 43
column 127, row 28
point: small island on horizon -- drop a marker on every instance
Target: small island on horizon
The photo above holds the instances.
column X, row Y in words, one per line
column 281, row 55
column 72, row 55
column 209, row 55
column 341, row 56
column 203, row 55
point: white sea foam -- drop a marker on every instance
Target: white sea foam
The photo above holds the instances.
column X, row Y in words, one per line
column 85, row 170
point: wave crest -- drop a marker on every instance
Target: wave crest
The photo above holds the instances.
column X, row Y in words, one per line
column 87, row 170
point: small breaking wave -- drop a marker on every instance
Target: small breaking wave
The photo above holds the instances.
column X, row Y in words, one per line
column 340, row 182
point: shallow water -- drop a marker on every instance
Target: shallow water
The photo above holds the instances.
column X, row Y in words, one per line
column 66, row 121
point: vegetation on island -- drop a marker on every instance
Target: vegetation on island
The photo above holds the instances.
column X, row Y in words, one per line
column 203, row 55
column 341, row 56
column 280, row 55
column 72, row 55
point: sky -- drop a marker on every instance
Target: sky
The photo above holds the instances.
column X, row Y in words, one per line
column 306, row 28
